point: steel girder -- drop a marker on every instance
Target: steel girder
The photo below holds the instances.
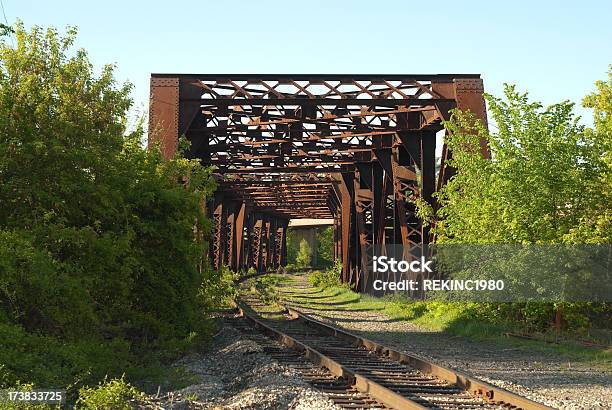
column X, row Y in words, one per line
column 356, row 148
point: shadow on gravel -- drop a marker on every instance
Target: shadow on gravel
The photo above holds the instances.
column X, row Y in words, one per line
column 363, row 320
column 300, row 293
column 302, row 296
column 320, row 309
column 344, row 302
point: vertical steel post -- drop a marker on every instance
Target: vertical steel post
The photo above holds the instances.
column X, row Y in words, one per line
column 256, row 243
column 364, row 216
column 347, row 212
column 164, row 115
column 237, row 262
column 218, row 234
column 266, row 242
column 229, row 248
column 283, row 255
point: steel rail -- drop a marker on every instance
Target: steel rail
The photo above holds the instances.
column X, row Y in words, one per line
column 476, row 387
column 491, row 395
column 364, row 385
column 337, row 389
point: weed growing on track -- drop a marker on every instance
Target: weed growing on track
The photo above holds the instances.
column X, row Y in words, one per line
column 266, row 288
column 328, row 277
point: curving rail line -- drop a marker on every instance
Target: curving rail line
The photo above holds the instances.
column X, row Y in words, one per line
column 382, row 375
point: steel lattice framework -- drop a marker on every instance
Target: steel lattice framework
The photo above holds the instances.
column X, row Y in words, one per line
column 356, row 148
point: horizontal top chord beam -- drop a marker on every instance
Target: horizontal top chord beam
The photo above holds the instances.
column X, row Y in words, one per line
column 273, row 132
column 331, row 77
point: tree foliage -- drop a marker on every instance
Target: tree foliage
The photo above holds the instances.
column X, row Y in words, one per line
column 99, row 238
column 325, row 246
column 293, row 245
column 304, row 255
column 596, row 226
column 548, row 180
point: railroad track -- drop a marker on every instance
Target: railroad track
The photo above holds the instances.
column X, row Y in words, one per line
column 384, row 377
column 338, row 389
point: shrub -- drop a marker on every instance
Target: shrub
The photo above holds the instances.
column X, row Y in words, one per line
column 111, row 394
column 329, row 277
column 101, row 241
column 325, row 247
column 50, row 362
column 218, row 289
column 304, row 255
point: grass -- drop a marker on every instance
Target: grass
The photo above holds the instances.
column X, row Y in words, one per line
column 454, row 318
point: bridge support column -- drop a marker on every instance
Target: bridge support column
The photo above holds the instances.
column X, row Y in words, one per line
column 256, row 243
column 216, row 248
column 283, row 256
column 238, row 261
column 468, row 94
column 278, row 249
column 170, row 111
column 229, row 250
column 347, row 226
column 364, row 213
column 271, row 249
column 266, row 247
column 337, row 229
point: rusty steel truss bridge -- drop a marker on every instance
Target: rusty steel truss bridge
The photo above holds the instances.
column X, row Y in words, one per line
column 358, row 149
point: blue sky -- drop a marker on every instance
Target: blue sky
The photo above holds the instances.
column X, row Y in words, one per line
column 553, row 49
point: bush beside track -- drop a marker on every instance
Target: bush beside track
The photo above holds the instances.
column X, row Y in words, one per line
column 103, row 268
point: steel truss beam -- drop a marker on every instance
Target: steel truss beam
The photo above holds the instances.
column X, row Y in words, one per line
column 359, row 149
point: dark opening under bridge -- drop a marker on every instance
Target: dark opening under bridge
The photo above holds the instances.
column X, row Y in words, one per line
column 355, row 148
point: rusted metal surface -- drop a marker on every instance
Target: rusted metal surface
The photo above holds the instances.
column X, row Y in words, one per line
column 358, row 149
column 164, row 112
column 360, row 383
column 475, row 387
column 397, row 379
column 339, row 390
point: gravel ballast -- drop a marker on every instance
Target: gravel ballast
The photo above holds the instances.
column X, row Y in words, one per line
column 237, row 374
column 544, row 377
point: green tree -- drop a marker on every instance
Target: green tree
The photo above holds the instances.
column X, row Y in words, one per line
column 548, row 182
column 546, row 176
column 595, row 226
column 304, row 255
column 292, row 245
column 96, row 233
column 325, row 246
